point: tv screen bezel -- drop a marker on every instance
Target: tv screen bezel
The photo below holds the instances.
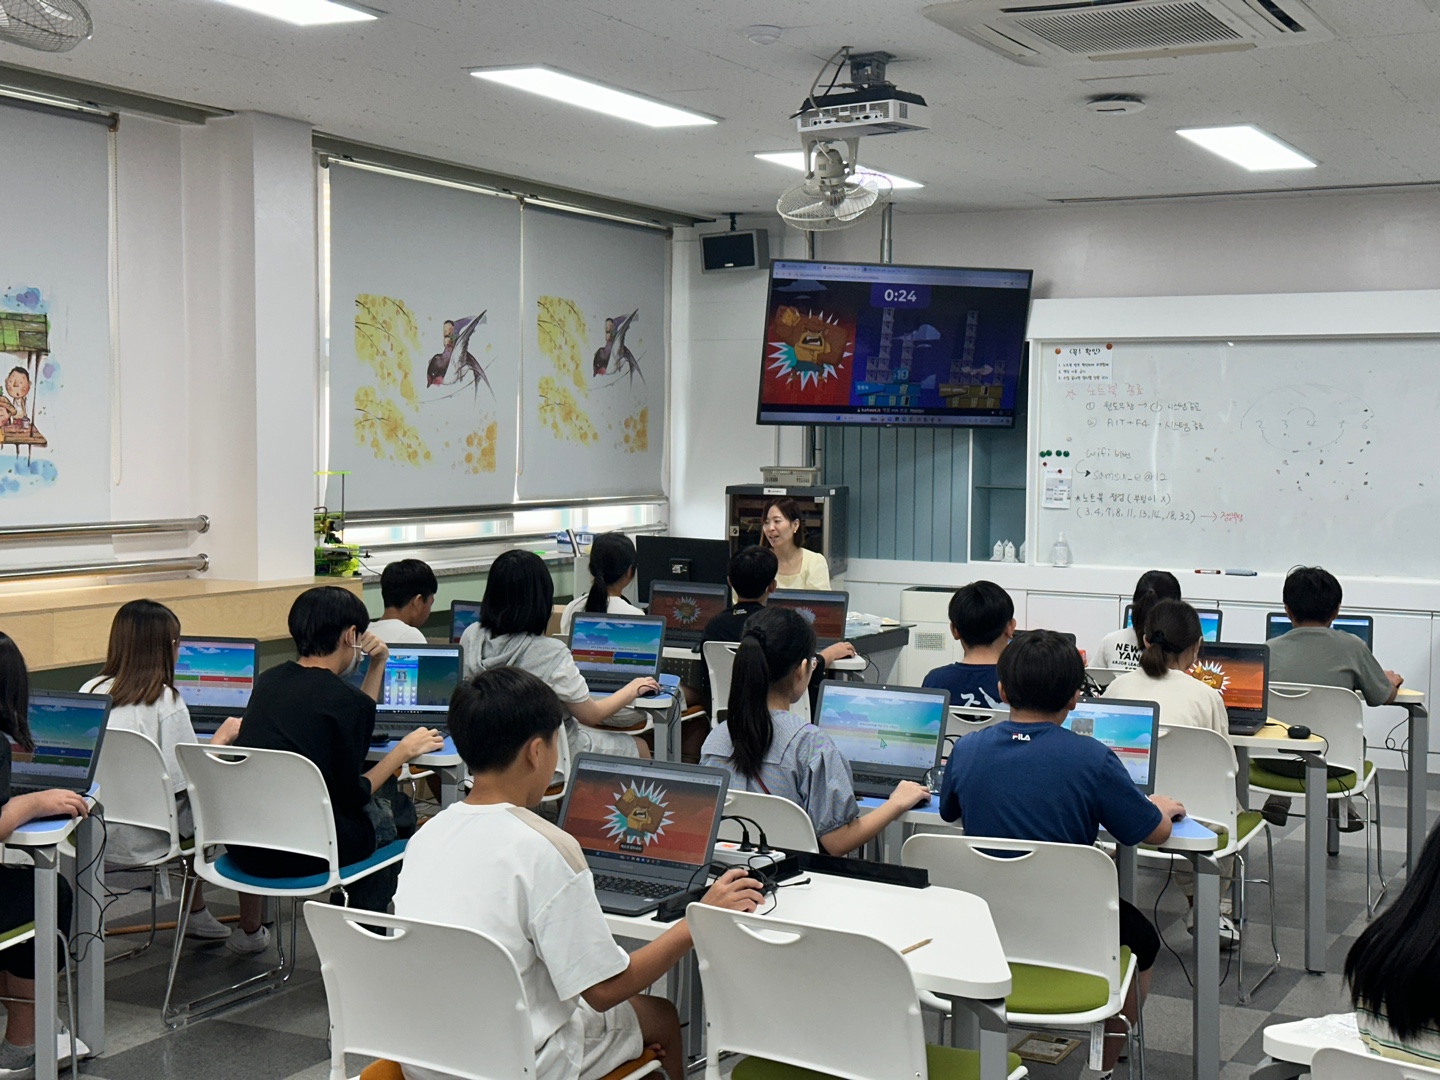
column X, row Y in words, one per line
column 1005, row 422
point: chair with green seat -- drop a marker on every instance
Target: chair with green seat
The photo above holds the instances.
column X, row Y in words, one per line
column 1057, row 910
column 1197, row 767
column 1338, row 716
column 815, row 972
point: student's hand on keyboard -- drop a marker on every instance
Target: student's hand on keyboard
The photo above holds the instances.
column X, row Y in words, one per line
column 907, row 793
column 735, row 891
column 636, row 686
column 58, row 802
column 226, row 733
column 841, row 650
column 421, row 741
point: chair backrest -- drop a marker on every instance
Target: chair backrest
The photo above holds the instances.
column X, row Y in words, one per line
column 258, row 798
column 719, row 663
column 562, row 768
column 475, row 1022
column 1197, row 766
column 815, row 973
column 965, row 719
column 1103, row 676
column 1074, row 925
column 1332, row 1063
column 1330, row 711
column 786, row 824
column 136, row 785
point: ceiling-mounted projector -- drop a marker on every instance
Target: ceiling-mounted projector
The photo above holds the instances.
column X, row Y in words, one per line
column 870, row 105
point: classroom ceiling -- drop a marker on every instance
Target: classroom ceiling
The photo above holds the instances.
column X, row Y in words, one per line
column 1366, row 105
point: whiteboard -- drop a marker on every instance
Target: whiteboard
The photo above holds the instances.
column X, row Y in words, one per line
column 421, row 398
column 1258, row 454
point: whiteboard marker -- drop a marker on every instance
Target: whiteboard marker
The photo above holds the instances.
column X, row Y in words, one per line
column 1209, row 571
column 1240, row 573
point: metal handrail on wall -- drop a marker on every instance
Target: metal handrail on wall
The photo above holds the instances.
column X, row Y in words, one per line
column 92, row 530
column 489, row 539
column 199, row 563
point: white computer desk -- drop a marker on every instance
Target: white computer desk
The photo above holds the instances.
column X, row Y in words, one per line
column 446, row 762
column 962, row 960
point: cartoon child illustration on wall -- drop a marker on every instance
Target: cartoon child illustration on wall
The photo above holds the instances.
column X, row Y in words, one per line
column 17, row 385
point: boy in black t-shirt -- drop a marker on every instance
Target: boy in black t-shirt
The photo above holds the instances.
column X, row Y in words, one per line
column 982, row 619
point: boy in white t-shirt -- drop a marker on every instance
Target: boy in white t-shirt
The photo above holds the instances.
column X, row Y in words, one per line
column 408, row 589
column 492, row 865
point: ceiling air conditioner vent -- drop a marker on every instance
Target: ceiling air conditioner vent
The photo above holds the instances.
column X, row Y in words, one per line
column 1046, row 34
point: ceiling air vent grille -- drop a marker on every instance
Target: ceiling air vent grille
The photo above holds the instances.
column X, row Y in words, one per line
column 1128, row 29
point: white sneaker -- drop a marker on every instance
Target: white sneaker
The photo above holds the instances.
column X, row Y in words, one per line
column 244, row 944
column 1229, row 932
column 205, row 926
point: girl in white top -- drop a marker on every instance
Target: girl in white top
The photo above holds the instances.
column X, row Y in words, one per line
column 1172, row 645
column 782, row 530
column 139, row 676
column 1120, row 649
column 612, row 568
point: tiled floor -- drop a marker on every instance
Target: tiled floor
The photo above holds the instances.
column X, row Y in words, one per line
column 283, row 1036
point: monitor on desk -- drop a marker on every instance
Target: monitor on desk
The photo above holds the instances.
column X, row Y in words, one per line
column 894, row 730
column 1210, row 619
column 68, row 730
column 1361, row 626
column 215, row 675
column 687, row 607
column 1130, row 728
column 680, row 558
column 825, row 611
column 418, row 679
column 462, row 614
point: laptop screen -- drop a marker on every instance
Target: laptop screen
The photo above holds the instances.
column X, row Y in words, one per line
column 686, row 606
column 1239, row 672
column 882, row 725
column 1130, row 728
column 67, row 729
column 420, row 679
column 216, row 673
column 1209, row 621
column 619, row 646
column 1362, row 626
column 462, row 614
column 644, row 814
column 825, row 611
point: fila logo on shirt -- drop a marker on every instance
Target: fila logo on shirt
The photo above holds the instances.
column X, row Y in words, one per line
column 1020, row 736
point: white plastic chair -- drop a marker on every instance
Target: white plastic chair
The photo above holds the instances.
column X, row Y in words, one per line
column 475, row 1025
column 1338, row 716
column 269, row 799
column 1057, row 910
column 1333, row 1063
column 1197, row 767
column 137, row 786
column 815, row 972
column 556, row 791
column 719, row 664
column 785, row 823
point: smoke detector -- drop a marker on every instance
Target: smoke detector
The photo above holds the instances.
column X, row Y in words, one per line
column 762, row 34
column 1115, row 104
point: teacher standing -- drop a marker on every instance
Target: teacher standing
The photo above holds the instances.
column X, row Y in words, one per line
column 783, row 531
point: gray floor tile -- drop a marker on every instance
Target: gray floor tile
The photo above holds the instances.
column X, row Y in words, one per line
column 215, row 1050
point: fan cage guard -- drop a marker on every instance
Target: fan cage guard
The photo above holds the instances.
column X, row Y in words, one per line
column 44, row 25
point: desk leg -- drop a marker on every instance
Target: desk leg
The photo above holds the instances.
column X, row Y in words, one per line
column 692, row 1015
column 993, row 1044
column 46, row 916
column 90, row 993
column 1205, row 952
column 1125, row 868
column 1242, row 776
column 1316, row 827
column 1417, row 781
column 450, row 779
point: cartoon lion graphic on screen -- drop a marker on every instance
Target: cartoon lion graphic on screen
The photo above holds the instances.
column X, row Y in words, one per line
column 638, row 815
column 809, row 346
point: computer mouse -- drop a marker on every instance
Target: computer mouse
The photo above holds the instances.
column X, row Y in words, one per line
column 1298, row 731
column 649, row 691
column 379, row 739
column 1177, row 817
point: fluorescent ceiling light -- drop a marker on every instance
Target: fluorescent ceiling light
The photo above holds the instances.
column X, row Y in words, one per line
column 795, row 159
column 572, row 90
column 307, row 12
column 1249, row 147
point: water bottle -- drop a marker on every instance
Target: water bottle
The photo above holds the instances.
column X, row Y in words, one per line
column 1060, row 553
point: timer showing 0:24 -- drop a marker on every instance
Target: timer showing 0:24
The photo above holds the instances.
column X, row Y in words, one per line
column 885, row 295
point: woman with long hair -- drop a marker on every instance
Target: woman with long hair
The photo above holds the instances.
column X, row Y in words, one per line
column 782, row 530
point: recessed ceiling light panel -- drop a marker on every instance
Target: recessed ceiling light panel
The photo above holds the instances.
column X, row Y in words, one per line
column 1249, row 147
column 308, row 12
column 795, row 159
column 597, row 97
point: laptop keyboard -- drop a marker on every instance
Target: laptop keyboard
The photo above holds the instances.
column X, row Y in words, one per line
column 650, row 890
column 872, row 778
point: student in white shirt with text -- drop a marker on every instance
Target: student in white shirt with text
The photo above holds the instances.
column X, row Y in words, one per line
column 1120, row 649
column 408, row 588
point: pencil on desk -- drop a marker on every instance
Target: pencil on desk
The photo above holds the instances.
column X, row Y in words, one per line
column 917, row 945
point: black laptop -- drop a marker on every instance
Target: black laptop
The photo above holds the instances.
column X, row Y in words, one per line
column 885, row 733
column 1242, row 675
column 68, row 730
column 214, row 677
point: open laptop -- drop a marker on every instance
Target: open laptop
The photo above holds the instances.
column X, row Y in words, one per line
column 1362, row 626
column 825, row 611
column 1130, row 728
column 886, row 733
column 214, row 676
column 611, row 650
column 462, row 614
column 686, row 607
column 68, row 730
column 1242, row 675
column 1209, row 621
column 647, row 828
column 419, row 680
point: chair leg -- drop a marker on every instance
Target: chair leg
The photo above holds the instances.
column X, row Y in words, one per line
column 266, row 982
column 154, row 918
column 1371, row 906
column 1246, row 995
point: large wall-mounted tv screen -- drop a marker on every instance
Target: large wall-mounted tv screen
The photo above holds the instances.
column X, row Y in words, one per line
column 847, row 343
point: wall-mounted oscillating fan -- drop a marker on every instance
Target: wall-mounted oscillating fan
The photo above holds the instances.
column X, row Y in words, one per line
column 46, row 25
column 835, row 193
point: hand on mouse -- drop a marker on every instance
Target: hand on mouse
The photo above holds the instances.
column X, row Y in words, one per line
column 735, row 890
column 637, row 686
column 1171, row 808
column 421, row 741
column 907, row 793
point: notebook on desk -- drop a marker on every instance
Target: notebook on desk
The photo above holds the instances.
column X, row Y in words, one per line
column 68, row 730
column 611, row 650
column 1361, row 626
column 824, row 611
column 885, row 733
column 687, row 607
column 647, row 828
column 214, row 677
column 1130, row 728
column 1210, row 620
column 1241, row 673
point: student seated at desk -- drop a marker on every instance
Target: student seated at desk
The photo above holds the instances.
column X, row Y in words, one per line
column 982, row 619
column 489, row 864
column 514, row 613
column 1120, row 649
column 1172, row 646
column 139, row 676
column 612, row 568
column 1028, row 778
column 1314, row 653
column 305, row 706
column 1394, row 968
column 17, row 883
column 407, row 588
column 767, row 748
